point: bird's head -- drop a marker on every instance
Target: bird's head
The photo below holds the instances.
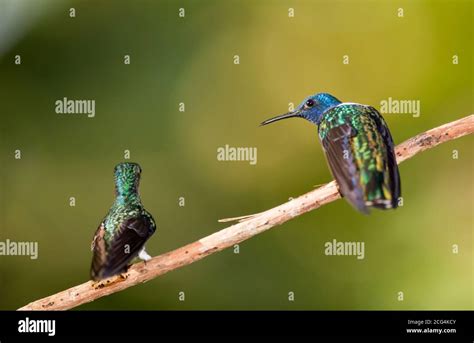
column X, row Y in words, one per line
column 127, row 178
column 310, row 109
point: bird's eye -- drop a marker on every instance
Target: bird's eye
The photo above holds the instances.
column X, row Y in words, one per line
column 309, row 103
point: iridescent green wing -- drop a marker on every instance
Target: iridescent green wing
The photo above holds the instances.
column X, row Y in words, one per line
column 112, row 257
column 383, row 191
column 336, row 140
column 359, row 150
column 375, row 158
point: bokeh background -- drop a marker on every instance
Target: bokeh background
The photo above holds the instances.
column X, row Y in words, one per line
column 190, row 60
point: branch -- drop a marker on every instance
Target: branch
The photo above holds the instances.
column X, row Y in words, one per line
column 248, row 227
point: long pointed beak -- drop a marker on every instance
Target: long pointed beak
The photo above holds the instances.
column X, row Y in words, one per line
column 283, row 116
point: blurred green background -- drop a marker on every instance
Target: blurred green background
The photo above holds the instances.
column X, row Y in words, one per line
column 190, row 60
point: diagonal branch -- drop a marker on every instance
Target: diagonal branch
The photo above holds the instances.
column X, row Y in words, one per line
column 248, row 227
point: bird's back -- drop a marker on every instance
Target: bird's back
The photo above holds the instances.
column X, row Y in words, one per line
column 119, row 239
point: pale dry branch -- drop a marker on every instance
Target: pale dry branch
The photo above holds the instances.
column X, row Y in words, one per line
column 250, row 226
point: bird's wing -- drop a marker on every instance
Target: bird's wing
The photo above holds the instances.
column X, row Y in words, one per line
column 98, row 245
column 337, row 144
column 390, row 183
column 111, row 258
column 374, row 156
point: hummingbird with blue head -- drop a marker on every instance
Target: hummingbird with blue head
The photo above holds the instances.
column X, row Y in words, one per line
column 121, row 236
column 359, row 149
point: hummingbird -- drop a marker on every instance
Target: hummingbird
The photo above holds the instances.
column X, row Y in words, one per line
column 359, row 149
column 122, row 234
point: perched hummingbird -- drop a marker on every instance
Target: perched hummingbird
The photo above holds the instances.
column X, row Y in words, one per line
column 122, row 234
column 359, row 149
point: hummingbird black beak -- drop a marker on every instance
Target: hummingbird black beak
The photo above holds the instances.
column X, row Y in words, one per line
column 293, row 114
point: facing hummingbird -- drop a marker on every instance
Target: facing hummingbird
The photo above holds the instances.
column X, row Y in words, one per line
column 359, row 149
column 122, row 234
